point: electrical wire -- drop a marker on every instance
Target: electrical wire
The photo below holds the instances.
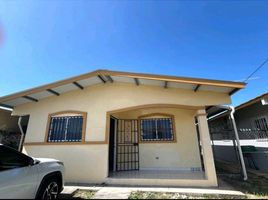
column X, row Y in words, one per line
column 256, row 70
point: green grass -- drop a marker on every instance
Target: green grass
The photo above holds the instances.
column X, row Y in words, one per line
column 84, row 194
column 162, row 195
column 79, row 194
column 254, row 187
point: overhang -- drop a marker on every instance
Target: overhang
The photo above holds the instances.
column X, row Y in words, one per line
column 110, row 77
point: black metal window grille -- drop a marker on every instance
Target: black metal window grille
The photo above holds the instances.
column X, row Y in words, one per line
column 66, row 129
column 261, row 124
column 157, row 129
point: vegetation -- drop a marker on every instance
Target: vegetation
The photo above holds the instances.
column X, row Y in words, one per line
column 79, row 194
column 255, row 187
column 162, row 195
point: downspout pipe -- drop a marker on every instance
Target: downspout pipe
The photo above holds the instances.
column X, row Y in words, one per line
column 242, row 162
column 238, row 143
column 22, row 134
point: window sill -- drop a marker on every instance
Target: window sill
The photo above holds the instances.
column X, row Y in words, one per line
column 64, row 143
column 158, row 141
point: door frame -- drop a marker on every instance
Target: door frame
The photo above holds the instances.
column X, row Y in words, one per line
column 130, row 162
column 112, row 145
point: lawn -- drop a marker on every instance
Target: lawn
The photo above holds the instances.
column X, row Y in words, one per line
column 85, row 194
column 79, row 194
column 162, row 195
column 255, row 187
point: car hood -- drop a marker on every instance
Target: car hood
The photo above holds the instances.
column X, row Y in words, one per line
column 45, row 160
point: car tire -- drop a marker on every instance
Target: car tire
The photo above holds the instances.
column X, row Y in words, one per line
column 50, row 189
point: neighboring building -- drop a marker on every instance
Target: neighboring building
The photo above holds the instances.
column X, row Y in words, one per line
column 252, row 125
column 125, row 128
column 253, row 114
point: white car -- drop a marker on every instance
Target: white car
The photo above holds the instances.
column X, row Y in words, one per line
column 24, row 177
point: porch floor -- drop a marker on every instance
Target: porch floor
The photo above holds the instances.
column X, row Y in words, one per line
column 158, row 174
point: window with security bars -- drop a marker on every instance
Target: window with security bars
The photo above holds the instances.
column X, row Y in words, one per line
column 66, row 129
column 157, row 129
column 261, row 124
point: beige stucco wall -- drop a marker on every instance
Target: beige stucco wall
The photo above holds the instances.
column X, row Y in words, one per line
column 83, row 163
column 180, row 155
column 89, row 163
column 99, row 99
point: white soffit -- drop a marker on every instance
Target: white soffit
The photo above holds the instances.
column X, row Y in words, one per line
column 41, row 95
column 123, row 79
column 181, row 85
column 17, row 101
column 96, row 80
column 65, row 88
column 152, row 82
column 89, row 81
column 215, row 88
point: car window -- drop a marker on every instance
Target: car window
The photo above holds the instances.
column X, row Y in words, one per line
column 10, row 159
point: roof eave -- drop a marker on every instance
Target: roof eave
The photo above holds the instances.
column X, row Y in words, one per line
column 235, row 85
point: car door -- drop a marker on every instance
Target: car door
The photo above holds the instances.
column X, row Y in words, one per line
column 17, row 176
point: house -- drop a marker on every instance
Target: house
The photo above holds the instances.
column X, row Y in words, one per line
column 124, row 128
column 253, row 114
column 252, row 122
column 252, row 127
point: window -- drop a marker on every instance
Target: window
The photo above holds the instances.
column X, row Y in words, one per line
column 67, row 127
column 261, row 124
column 157, row 129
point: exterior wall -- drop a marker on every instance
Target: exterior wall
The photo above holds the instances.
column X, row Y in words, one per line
column 89, row 162
column 245, row 115
column 99, row 99
column 83, row 163
column 170, row 155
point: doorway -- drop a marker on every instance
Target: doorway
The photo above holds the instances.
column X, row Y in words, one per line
column 112, row 144
column 127, row 151
column 123, row 145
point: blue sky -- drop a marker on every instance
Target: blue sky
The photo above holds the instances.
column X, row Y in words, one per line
column 45, row 41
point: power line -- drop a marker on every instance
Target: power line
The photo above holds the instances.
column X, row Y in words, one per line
column 256, row 70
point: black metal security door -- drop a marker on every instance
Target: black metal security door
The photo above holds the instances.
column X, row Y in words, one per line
column 127, row 151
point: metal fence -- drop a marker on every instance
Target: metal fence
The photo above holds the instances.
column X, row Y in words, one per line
column 245, row 133
column 254, row 144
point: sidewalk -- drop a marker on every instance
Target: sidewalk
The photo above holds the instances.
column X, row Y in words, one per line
column 110, row 192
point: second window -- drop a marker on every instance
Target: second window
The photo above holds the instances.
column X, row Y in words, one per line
column 157, row 129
